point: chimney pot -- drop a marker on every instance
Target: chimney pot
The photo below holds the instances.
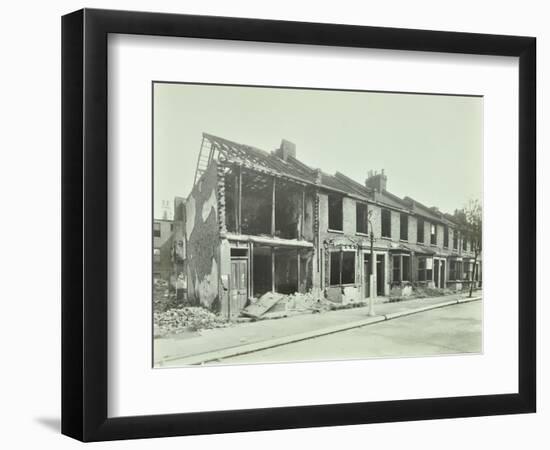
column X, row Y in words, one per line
column 376, row 181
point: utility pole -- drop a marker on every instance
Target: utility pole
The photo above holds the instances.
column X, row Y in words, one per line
column 371, row 266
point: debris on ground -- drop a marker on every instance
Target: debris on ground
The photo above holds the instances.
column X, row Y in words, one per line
column 260, row 306
column 185, row 319
column 422, row 292
column 163, row 297
column 273, row 305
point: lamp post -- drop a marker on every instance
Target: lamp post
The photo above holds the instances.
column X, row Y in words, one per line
column 371, row 266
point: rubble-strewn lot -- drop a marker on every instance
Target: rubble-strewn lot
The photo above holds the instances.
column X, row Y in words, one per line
column 173, row 317
column 186, row 319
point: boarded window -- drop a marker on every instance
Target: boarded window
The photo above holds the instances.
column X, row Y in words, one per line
column 156, row 229
column 335, row 212
column 420, row 230
column 386, row 223
column 404, row 227
column 445, row 236
column 362, row 218
column 433, row 234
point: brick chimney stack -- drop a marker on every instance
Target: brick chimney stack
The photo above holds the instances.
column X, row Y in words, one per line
column 286, row 149
column 376, row 181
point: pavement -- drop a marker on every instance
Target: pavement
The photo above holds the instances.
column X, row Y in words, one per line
column 240, row 339
column 453, row 330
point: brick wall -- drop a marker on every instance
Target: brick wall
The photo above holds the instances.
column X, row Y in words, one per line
column 202, row 232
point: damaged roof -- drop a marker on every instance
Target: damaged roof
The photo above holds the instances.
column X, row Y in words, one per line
column 252, row 157
column 290, row 167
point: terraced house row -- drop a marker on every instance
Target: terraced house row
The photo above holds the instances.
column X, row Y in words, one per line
column 258, row 221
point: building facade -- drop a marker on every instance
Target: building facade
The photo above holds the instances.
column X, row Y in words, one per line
column 163, row 231
column 258, row 222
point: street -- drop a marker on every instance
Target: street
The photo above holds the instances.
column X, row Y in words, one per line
column 449, row 330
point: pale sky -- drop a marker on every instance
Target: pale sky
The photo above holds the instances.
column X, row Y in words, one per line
column 430, row 146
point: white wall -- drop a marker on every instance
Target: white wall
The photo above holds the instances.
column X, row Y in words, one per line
column 30, row 177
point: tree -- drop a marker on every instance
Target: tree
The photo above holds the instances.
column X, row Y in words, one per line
column 470, row 223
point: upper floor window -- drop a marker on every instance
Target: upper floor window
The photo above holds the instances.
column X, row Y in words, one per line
column 445, row 236
column 464, row 244
column 362, row 218
column 404, row 227
column 420, row 230
column 335, row 212
column 386, row 223
column 171, row 227
column 433, row 234
column 455, row 240
column 156, row 229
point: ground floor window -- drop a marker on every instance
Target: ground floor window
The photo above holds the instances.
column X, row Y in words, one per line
column 455, row 270
column 401, row 268
column 467, row 270
column 342, row 267
column 425, row 269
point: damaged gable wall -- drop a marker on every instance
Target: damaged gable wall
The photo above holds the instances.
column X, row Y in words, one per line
column 203, row 240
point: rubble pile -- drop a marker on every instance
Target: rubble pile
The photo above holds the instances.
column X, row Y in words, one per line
column 306, row 302
column 188, row 318
column 274, row 305
column 164, row 298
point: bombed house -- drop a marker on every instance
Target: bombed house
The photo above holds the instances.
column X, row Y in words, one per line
column 259, row 222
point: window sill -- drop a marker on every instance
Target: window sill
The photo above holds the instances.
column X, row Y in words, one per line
column 404, row 240
column 387, row 238
column 330, row 230
column 358, row 233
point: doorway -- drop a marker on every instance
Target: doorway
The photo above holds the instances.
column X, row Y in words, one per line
column 238, row 286
column 380, row 279
column 439, row 273
column 366, row 277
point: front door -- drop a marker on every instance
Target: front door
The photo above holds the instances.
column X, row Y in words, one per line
column 442, row 276
column 238, row 287
column 380, row 281
column 436, row 272
column 366, row 272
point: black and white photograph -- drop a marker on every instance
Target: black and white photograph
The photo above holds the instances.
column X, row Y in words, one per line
column 294, row 224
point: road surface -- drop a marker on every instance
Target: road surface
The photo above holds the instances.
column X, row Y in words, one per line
column 443, row 331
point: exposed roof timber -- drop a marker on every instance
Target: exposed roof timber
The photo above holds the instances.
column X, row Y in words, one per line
column 271, row 241
column 252, row 158
column 264, row 170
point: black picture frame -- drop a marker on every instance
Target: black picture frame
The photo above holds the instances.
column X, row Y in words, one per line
column 84, row 224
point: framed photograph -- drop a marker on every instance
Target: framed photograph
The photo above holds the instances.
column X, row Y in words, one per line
column 272, row 224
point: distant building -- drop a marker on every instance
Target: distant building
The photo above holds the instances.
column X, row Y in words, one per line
column 163, row 231
column 257, row 222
